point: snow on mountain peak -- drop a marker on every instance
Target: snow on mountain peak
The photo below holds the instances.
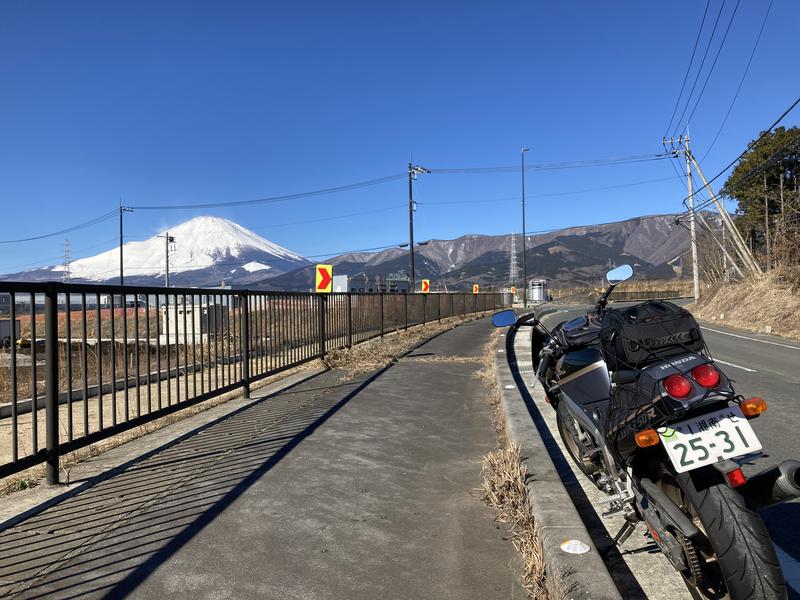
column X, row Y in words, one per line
column 200, row 243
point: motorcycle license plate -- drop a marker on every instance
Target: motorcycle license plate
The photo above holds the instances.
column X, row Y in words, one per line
column 705, row 439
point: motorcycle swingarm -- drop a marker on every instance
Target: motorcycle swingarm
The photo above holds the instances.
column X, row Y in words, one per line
column 668, row 512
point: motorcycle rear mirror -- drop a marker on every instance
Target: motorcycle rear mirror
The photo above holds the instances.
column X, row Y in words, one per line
column 620, row 274
column 505, row 318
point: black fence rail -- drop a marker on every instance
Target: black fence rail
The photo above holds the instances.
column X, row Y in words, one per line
column 81, row 363
column 634, row 295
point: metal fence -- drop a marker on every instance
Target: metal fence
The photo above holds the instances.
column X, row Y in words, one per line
column 635, row 295
column 83, row 363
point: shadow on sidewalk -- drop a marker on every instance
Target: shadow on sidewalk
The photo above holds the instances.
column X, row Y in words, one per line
column 104, row 538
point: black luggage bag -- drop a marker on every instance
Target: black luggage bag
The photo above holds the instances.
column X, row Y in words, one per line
column 639, row 335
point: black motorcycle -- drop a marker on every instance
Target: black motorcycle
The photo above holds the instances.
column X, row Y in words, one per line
column 648, row 416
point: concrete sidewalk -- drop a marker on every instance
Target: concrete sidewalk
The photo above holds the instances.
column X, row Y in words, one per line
column 327, row 489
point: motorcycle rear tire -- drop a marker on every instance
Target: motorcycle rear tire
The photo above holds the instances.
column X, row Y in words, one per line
column 738, row 536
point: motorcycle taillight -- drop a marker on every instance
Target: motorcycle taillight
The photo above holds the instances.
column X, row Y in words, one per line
column 678, row 386
column 706, row 375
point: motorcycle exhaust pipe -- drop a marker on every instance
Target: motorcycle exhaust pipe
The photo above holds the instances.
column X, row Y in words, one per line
column 774, row 485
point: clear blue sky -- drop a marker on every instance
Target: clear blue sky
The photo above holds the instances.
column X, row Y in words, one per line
column 163, row 103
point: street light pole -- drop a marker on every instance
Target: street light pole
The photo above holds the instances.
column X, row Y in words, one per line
column 524, row 248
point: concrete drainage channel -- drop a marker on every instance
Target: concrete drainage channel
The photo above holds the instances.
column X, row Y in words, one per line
column 564, row 502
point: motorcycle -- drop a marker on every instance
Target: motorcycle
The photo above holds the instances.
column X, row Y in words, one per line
column 646, row 414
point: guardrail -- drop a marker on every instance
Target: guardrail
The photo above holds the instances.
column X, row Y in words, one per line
column 634, row 295
column 111, row 358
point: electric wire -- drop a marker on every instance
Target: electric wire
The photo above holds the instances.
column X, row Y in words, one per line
column 751, row 145
column 272, row 199
column 552, row 194
column 95, row 221
column 179, row 265
column 741, row 81
column 688, row 68
column 555, row 166
column 711, row 70
column 699, row 70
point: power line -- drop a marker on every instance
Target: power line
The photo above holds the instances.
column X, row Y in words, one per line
column 749, row 147
column 711, row 70
column 554, row 194
column 688, row 68
column 699, row 70
column 741, row 81
column 174, row 266
column 297, row 196
column 556, row 166
column 95, row 221
column 747, row 177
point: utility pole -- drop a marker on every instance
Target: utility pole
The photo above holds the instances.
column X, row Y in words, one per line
column 413, row 171
column 122, row 209
column 524, row 236
column 692, row 220
column 168, row 239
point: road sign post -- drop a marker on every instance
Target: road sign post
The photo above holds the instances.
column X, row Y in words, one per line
column 323, row 279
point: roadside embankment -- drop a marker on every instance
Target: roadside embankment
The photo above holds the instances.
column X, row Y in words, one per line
column 770, row 304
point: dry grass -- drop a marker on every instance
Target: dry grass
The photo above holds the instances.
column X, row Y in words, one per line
column 503, row 488
column 504, row 476
column 378, row 353
column 586, row 293
column 772, row 301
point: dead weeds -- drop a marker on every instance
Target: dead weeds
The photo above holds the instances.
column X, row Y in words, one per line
column 768, row 304
column 378, row 353
column 503, row 488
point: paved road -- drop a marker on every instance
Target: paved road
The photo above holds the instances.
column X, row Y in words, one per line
column 352, row 489
column 766, row 366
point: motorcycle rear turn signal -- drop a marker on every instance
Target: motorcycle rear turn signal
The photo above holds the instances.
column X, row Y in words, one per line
column 752, row 407
column 648, row 437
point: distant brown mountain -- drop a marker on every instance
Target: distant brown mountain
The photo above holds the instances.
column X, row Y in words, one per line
column 575, row 255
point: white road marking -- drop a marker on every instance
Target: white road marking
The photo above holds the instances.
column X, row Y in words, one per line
column 744, row 337
column 748, row 369
column 790, row 567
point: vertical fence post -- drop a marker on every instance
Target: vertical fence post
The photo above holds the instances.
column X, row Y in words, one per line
column 424, row 308
column 51, row 382
column 381, row 314
column 244, row 305
column 322, row 298
column 349, row 320
column 406, row 311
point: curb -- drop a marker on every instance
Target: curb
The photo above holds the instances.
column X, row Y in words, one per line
column 583, row 576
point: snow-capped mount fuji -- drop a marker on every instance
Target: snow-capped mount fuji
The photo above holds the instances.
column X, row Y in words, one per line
column 207, row 252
